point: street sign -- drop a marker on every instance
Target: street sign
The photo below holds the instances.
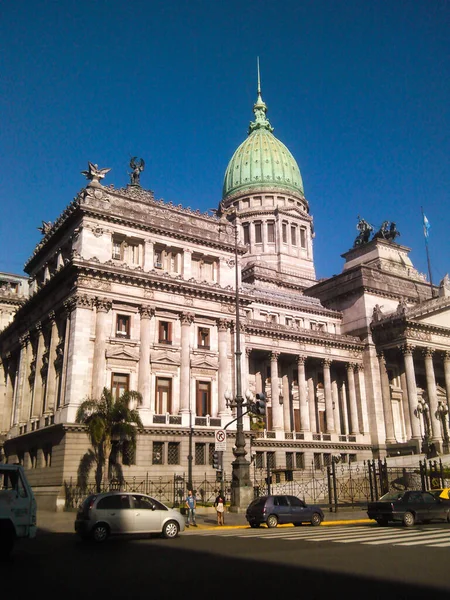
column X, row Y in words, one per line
column 221, row 440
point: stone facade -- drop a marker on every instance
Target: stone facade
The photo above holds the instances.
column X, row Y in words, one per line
column 130, row 292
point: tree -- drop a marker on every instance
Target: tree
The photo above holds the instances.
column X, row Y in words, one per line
column 112, row 424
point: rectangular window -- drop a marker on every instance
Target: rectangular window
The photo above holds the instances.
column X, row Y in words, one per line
column 299, row 460
column 158, row 453
column 120, row 384
column 123, row 326
column 203, row 404
column 271, row 233
column 165, row 332
column 302, row 237
column 133, row 250
column 203, row 338
column 211, row 450
column 289, row 460
column 317, row 460
column 128, row 453
column 199, row 454
column 163, row 395
column 259, row 460
column 293, row 235
column 246, row 232
column 157, row 260
column 284, row 233
column 352, row 458
column 271, row 460
column 326, row 459
column 258, row 233
column 117, row 252
column 173, row 453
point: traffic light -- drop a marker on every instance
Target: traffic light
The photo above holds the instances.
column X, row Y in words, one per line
column 259, row 408
column 219, row 475
column 216, row 462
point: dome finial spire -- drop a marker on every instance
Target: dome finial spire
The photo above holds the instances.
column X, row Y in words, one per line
column 259, row 108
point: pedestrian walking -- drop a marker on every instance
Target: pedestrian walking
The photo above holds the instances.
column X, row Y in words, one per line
column 220, row 508
column 191, row 505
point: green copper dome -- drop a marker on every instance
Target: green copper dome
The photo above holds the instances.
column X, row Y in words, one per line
column 261, row 159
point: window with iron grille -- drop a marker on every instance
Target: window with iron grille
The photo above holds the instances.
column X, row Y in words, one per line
column 128, row 453
column 271, row 460
column 352, row 458
column 158, row 453
column 173, row 453
column 317, row 460
column 259, row 460
column 199, row 454
column 327, row 459
column 300, row 460
column 289, row 460
column 212, row 449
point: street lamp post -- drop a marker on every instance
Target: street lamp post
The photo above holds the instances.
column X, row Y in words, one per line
column 241, row 485
column 442, row 411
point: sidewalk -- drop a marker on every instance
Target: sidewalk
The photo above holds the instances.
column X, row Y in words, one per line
column 64, row 522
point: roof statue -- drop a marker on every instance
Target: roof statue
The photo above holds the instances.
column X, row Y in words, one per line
column 94, row 174
column 387, row 231
column 365, row 229
column 45, row 227
column 137, row 166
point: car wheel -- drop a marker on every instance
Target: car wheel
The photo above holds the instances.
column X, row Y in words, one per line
column 272, row 521
column 408, row 519
column 100, row 533
column 382, row 522
column 255, row 525
column 170, row 529
column 316, row 519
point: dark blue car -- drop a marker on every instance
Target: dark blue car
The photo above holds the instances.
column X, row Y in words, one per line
column 280, row 509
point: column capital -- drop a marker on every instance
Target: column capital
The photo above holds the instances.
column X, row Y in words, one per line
column 223, row 324
column 407, row 350
column 186, row 318
column 274, row 356
column 428, row 352
column 351, row 366
column 301, row 359
column 248, row 351
column 326, row 362
column 146, row 312
column 52, row 316
column 359, row 367
column 38, row 326
column 103, row 305
column 24, row 339
column 79, row 300
column 447, row 356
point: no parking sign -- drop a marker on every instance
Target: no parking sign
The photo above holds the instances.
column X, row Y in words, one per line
column 221, row 440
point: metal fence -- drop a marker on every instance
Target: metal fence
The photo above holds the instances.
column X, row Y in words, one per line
column 337, row 486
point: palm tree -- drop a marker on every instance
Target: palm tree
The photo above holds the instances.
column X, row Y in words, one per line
column 112, row 424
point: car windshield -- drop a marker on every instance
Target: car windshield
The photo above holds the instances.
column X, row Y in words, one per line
column 258, row 502
column 391, row 497
column 436, row 493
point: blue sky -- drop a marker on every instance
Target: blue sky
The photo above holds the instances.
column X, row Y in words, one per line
column 358, row 90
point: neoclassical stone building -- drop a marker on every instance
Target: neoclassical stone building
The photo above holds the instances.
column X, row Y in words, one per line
column 130, row 292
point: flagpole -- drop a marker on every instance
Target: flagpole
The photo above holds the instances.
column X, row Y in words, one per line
column 425, row 235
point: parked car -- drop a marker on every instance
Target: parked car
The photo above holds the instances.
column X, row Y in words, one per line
column 441, row 493
column 121, row 513
column 408, row 507
column 280, row 509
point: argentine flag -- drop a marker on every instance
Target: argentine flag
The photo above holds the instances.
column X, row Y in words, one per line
column 426, row 226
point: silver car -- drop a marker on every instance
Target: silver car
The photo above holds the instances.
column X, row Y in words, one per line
column 119, row 513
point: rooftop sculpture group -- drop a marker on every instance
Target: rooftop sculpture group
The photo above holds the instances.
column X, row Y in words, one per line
column 387, row 231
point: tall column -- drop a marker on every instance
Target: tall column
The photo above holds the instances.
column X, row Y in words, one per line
column 103, row 306
column 62, row 398
column 144, row 358
column 337, row 412
column 7, row 413
column 50, row 388
column 328, row 399
column 364, row 421
column 185, row 383
column 312, row 404
column 447, row 376
column 38, row 387
column 277, row 409
column 302, row 395
column 387, row 404
column 19, row 383
column 405, row 406
column 222, row 326
column 344, row 406
column 286, row 402
column 354, row 427
column 25, row 390
column 412, row 391
column 436, row 435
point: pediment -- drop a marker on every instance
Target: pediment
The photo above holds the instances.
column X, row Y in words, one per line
column 204, row 362
column 434, row 312
column 171, row 357
column 122, row 352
